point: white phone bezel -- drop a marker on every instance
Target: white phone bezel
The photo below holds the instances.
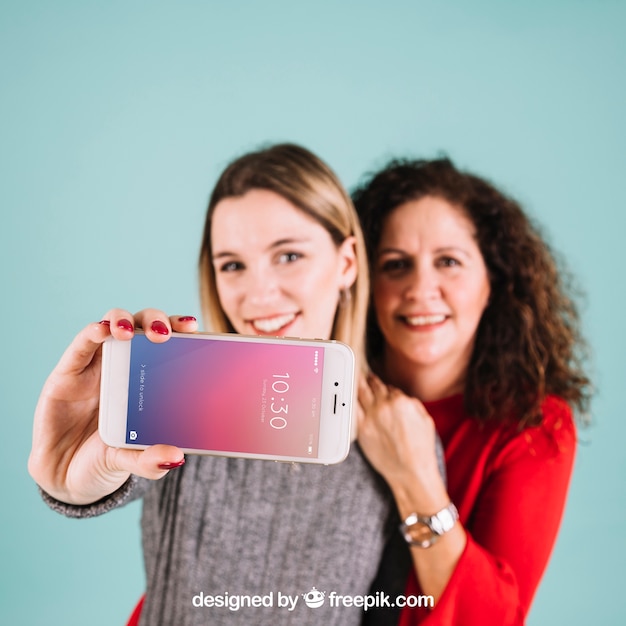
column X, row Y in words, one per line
column 336, row 403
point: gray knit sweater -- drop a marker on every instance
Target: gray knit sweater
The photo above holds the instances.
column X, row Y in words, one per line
column 222, row 528
column 237, row 532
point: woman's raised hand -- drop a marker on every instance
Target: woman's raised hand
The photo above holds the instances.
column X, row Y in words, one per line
column 68, row 459
column 398, row 436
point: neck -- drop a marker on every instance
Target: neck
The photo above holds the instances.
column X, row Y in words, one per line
column 424, row 382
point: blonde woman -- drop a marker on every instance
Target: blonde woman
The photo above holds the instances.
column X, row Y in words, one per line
column 281, row 254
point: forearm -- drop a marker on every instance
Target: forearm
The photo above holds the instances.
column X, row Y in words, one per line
column 434, row 565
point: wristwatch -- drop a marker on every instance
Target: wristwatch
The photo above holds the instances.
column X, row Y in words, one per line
column 423, row 530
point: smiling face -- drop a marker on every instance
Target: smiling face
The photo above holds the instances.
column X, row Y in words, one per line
column 430, row 288
column 278, row 271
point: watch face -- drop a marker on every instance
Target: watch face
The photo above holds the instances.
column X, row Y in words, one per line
column 419, row 533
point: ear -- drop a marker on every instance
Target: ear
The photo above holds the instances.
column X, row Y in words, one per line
column 347, row 262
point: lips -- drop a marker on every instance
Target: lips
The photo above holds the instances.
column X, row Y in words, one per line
column 272, row 325
column 424, row 320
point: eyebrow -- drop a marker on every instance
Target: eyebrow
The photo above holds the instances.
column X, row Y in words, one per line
column 441, row 250
column 275, row 244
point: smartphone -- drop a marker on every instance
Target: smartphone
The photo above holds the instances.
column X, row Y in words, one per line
column 229, row 395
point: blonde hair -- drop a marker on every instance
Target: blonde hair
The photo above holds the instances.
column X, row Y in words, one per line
column 309, row 184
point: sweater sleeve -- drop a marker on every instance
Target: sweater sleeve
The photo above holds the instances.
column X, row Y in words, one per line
column 511, row 530
column 134, row 488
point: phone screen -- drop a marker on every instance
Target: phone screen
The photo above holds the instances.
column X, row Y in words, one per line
column 226, row 396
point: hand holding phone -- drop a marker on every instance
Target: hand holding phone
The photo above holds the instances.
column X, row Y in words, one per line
column 230, row 395
column 68, row 458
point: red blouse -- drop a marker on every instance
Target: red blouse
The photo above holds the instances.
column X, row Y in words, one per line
column 510, row 489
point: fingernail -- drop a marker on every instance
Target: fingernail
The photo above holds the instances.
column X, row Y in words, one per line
column 187, row 318
column 125, row 325
column 160, row 328
column 172, row 465
column 105, row 322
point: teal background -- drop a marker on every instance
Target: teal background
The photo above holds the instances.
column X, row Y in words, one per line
column 115, row 120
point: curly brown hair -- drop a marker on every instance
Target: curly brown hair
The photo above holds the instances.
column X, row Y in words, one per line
column 528, row 342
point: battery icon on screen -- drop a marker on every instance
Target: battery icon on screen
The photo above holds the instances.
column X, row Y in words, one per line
column 310, row 449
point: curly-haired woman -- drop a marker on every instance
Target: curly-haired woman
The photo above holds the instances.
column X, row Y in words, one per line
column 473, row 332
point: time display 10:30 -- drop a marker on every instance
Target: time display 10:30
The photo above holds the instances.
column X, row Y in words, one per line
column 279, row 406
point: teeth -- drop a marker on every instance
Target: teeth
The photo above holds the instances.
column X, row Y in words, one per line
column 424, row 320
column 272, row 324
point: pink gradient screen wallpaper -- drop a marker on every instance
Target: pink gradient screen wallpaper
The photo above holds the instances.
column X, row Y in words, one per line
column 227, row 396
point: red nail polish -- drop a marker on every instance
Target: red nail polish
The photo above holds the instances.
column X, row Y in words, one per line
column 173, row 465
column 160, row 328
column 125, row 325
column 105, row 322
column 187, row 318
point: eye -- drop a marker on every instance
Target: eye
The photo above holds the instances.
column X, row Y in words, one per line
column 231, row 266
column 448, row 261
column 289, row 257
column 394, row 265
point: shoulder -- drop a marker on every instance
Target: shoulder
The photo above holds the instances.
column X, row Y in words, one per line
column 557, row 425
column 554, row 438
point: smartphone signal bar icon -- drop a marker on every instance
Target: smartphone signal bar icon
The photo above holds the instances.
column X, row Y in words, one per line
column 315, row 362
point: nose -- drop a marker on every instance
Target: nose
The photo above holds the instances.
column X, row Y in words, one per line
column 262, row 287
column 422, row 283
